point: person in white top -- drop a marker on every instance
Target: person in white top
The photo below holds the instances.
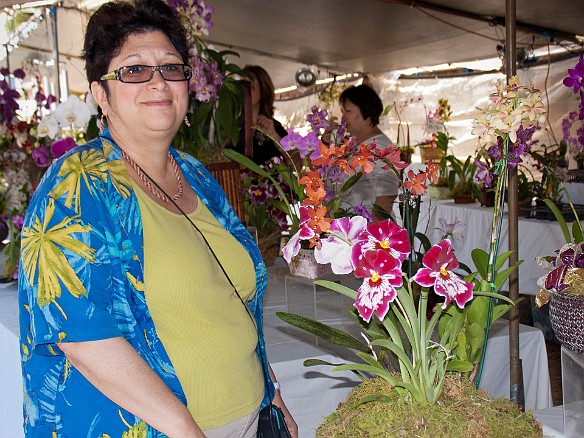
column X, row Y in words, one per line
column 362, row 107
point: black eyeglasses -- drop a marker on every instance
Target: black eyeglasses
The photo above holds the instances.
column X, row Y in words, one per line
column 136, row 74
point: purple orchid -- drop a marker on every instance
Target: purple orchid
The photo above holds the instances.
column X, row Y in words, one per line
column 258, row 194
column 386, row 236
column 484, row 174
column 361, row 210
column 439, row 263
column 381, row 274
column 317, row 119
column 61, row 147
column 18, row 221
column 575, row 78
column 41, row 156
column 336, row 248
column 291, row 141
column 569, row 257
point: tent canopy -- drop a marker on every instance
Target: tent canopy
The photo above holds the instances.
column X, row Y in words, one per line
column 368, row 36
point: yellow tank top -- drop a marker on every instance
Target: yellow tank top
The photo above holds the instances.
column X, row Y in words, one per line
column 201, row 322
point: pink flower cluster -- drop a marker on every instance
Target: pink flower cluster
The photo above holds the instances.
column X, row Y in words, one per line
column 376, row 252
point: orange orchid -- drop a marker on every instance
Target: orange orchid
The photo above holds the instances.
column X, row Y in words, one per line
column 414, row 183
column 318, row 220
column 432, row 171
column 313, row 187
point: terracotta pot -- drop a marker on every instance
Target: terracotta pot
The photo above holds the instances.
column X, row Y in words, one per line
column 304, row 264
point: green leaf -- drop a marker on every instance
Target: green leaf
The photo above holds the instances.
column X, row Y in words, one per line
column 387, row 109
column 475, row 334
column 481, row 261
column 323, row 331
column 459, row 366
column 315, row 362
column 577, row 232
column 499, row 311
column 347, row 291
column 381, row 398
column 478, row 310
column 560, row 219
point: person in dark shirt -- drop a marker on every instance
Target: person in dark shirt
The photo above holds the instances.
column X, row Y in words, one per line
column 262, row 102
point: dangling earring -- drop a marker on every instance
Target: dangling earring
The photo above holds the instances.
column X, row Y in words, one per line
column 187, row 122
column 102, row 123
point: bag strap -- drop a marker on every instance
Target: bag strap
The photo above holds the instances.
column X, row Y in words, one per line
column 265, row 369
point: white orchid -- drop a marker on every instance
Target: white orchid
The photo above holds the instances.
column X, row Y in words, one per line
column 73, row 113
column 48, row 127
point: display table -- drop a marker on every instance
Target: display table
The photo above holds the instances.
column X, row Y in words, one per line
column 10, row 376
column 536, row 237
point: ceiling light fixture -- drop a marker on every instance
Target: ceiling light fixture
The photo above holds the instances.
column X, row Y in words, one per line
column 306, row 76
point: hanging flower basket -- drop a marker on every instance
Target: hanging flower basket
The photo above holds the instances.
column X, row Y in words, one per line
column 430, row 153
column 304, row 264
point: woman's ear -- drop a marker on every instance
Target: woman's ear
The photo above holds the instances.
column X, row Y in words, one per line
column 100, row 96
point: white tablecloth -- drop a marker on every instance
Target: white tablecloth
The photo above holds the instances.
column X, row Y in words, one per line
column 10, row 373
column 536, row 237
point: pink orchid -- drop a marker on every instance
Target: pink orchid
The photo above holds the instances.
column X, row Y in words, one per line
column 381, row 274
column 336, row 248
column 304, row 233
column 439, row 263
column 385, row 235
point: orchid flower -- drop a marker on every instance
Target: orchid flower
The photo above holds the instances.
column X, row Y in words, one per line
column 73, row 113
column 439, row 263
column 454, row 229
column 381, row 274
column 386, row 236
column 336, row 248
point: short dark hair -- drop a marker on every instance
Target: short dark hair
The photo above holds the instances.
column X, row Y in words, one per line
column 266, row 89
column 111, row 25
column 366, row 99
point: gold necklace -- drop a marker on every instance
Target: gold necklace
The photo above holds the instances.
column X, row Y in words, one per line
column 147, row 180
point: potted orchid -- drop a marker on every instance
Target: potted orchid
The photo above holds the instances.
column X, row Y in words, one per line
column 311, row 196
column 215, row 98
column 28, row 146
column 413, row 347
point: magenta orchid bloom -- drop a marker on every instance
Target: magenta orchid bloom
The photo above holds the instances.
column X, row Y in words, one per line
column 304, row 233
column 439, row 263
column 381, row 274
column 386, row 236
column 570, row 256
column 336, row 248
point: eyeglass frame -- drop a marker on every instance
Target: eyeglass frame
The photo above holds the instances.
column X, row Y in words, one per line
column 115, row 75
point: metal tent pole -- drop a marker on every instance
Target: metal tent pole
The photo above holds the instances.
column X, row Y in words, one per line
column 516, row 389
column 53, row 18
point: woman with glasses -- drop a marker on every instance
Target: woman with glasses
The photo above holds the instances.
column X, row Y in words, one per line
column 140, row 290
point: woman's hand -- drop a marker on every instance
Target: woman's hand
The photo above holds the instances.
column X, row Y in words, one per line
column 266, row 124
column 292, row 426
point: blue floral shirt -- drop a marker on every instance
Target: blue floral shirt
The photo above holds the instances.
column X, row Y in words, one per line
column 81, row 278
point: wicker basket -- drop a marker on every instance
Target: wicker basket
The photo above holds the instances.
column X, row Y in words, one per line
column 429, row 153
column 304, row 264
column 567, row 319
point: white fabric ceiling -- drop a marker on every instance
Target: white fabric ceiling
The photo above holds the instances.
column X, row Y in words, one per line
column 372, row 36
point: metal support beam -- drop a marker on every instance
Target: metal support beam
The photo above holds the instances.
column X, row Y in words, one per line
column 516, row 390
column 552, row 34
